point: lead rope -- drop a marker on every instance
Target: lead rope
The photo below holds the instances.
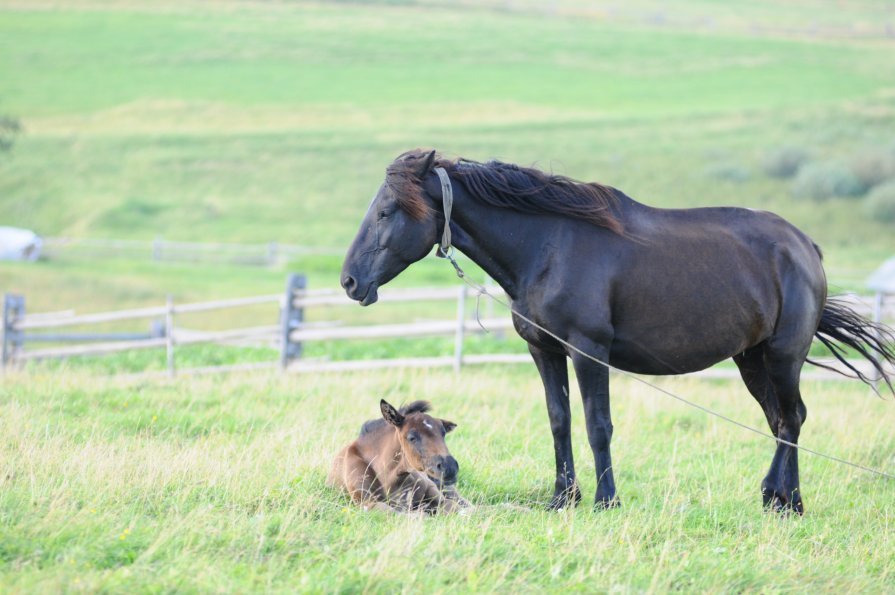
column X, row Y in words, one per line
column 448, row 253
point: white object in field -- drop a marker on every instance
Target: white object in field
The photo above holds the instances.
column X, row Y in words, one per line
column 19, row 244
column 883, row 279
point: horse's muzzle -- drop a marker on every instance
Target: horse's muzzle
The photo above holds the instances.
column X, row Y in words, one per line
column 365, row 295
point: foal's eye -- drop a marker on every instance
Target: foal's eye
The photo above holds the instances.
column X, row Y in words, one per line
column 412, row 437
column 382, row 215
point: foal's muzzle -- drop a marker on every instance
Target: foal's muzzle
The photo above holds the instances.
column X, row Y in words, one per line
column 447, row 467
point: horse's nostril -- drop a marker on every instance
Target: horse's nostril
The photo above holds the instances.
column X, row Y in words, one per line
column 348, row 282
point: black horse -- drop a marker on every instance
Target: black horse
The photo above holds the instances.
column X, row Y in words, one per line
column 651, row 291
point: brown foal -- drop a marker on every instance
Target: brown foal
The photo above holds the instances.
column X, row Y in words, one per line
column 400, row 463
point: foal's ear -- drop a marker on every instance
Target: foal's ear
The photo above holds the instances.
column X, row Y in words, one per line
column 391, row 414
column 448, row 425
column 426, row 165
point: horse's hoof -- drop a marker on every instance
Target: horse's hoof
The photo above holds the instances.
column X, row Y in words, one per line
column 565, row 499
column 778, row 502
column 607, row 503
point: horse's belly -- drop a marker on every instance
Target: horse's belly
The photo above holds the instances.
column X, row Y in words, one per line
column 689, row 328
column 679, row 350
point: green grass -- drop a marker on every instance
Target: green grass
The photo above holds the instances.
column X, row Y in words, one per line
column 217, row 484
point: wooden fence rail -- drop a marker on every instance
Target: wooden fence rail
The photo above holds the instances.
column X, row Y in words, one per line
column 290, row 333
column 39, row 321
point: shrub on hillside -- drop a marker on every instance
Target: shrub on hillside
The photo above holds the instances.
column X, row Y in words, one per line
column 9, row 128
column 873, row 167
column 729, row 172
column 880, row 203
column 783, row 162
column 824, row 180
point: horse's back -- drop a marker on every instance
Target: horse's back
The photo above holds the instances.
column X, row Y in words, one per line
column 740, row 248
column 687, row 288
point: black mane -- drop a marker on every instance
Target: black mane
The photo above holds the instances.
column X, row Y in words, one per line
column 505, row 185
column 530, row 190
column 414, row 407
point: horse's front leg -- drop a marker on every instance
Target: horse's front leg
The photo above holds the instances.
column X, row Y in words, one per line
column 593, row 380
column 555, row 377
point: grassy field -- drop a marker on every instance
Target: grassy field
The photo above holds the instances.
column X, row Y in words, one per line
column 239, row 121
column 217, row 484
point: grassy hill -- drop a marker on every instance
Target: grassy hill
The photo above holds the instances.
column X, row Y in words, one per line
column 257, row 122
column 252, row 122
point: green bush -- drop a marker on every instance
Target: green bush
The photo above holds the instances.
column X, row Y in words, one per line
column 824, row 180
column 783, row 162
column 873, row 167
column 729, row 172
column 9, row 128
column 880, row 203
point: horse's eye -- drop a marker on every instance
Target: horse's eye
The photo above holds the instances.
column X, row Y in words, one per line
column 412, row 437
column 382, row 215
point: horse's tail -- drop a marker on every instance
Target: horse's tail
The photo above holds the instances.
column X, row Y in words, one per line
column 841, row 325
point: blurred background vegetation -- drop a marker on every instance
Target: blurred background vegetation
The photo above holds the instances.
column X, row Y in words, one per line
column 273, row 121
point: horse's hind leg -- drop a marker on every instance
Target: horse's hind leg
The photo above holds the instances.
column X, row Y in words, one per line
column 755, row 376
column 783, row 355
column 780, row 488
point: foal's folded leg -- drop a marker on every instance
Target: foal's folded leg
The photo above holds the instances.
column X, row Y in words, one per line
column 450, row 493
column 423, row 494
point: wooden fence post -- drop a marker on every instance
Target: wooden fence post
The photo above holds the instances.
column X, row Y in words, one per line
column 13, row 339
column 461, row 328
column 291, row 318
column 273, row 250
column 169, row 334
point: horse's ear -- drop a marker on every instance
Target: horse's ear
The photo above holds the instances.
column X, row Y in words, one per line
column 426, row 165
column 448, row 425
column 391, row 414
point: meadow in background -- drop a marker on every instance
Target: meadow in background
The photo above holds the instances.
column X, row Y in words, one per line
column 254, row 122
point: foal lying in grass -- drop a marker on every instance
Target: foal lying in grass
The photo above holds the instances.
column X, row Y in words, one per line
column 400, row 463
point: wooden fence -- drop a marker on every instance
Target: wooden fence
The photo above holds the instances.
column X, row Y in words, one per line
column 19, row 330
column 290, row 332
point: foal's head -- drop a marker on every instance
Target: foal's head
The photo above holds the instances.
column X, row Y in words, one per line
column 422, row 440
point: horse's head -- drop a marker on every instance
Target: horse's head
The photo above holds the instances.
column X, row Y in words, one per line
column 399, row 229
column 422, row 440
